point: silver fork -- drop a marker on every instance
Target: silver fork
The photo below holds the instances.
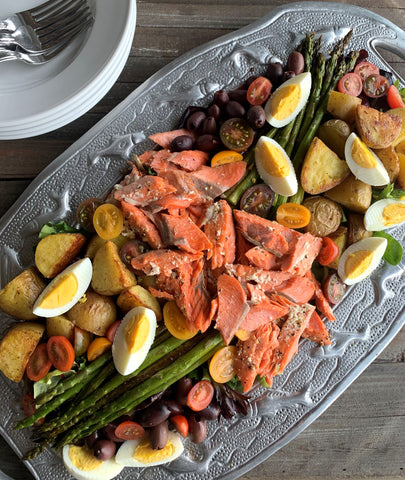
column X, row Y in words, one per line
column 45, row 26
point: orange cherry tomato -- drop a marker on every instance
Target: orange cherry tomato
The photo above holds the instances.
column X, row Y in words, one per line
column 108, row 221
column 225, row 156
column 61, row 353
column 293, row 215
column 329, row 251
column 394, row 98
column 181, row 425
column 200, row 395
column 129, row 430
column 221, row 364
column 176, row 322
column 112, row 330
column 97, row 347
column 38, row 364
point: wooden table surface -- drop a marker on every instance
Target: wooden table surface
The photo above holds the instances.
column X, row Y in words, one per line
column 362, row 434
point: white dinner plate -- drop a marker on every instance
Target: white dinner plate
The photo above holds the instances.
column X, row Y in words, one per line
column 37, row 99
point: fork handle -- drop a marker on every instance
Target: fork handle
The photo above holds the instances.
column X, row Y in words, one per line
column 6, row 55
column 7, row 25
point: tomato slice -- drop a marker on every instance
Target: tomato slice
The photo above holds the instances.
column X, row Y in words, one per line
column 85, row 212
column 221, row 364
column 200, row 395
column 225, row 156
column 329, row 251
column 108, row 221
column 236, row 134
column 61, row 353
column 176, row 322
column 293, row 215
column 365, row 69
column 334, row 289
column 129, row 430
column 38, row 364
column 394, row 98
column 257, row 200
column 259, row 91
column 351, row 84
column 97, row 347
column 181, row 425
column 112, row 330
column 28, row 405
column 376, row 86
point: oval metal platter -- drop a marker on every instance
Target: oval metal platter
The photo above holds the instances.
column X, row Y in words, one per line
column 369, row 316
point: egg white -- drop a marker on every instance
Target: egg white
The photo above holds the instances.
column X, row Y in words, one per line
column 82, row 270
column 107, row 469
column 126, row 362
column 283, row 185
column 373, row 218
column 376, row 176
column 303, row 81
column 376, row 245
column 125, row 454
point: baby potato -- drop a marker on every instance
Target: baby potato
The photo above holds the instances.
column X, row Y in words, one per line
column 334, row 134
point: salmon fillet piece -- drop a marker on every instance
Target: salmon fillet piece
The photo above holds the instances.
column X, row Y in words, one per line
column 302, row 254
column 242, row 247
column 160, row 161
column 189, row 160
column 316, row 330
column 261, row 258
column 300, row 290
column 144, row 191
column 164, row 139
column 146, row 157
column 162, row 262
column 320, row 300
column 142, row 225
column 268, row 280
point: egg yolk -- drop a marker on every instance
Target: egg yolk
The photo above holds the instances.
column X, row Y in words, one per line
column 61, row 294
column 285, row 101
column 144, row 452
column 357, row 263
column 136, row 332
column 393, row 214
column 362, row 155
column 274, row 162
column 83, row 458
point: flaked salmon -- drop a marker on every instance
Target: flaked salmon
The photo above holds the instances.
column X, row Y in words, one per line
column 144, row 190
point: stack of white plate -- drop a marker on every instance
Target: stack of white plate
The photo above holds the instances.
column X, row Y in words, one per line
column 36, row 99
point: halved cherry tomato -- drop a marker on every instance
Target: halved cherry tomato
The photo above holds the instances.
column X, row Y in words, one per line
column 176, row 322
column 351, row 84
column 365, row 69
column 293, row 215
column 236, row 134
column 394, row 98
column 225, row 156
column 334, row 289
column 85, row 212
column 376, row 86
column 200, row 395
column 28, row 405
column 259, row 91
column 108, row 221
column 329, row 251
column 181, row 425
column 129, row 430
column 112, row 330
column 221, row 366
column 38, row 364
column 258, row 200
column 61, row 353
column 97, row 347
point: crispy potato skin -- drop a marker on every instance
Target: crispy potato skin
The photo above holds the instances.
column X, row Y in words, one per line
column 138, row 296
column 353, row 194
column 377, row 129
column 17, row 298
column 55, row 252
column 389, row 158
column 343, row 106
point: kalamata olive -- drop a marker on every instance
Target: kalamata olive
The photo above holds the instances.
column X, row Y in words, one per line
column 157, row 413
column 197, row 428
column 214, row 111
column 275, row 73
column 109, row 432
column 295, row 62
column 256, row 117
column 250, row 80
column 104, row 449
column 234, row 109
column 287, row 75
column 363, row 55
column 207, row 143
column 221, row 98
column 91, row 439
column 182, row 142
column 209, row 126
column 258, row 200
column 132, row 249
column 183, row 386
column 195, row 120
column 211, row 412
column 239, row 95
column 158, row 435
column 174, row 406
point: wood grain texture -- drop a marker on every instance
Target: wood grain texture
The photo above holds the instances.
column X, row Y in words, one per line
column 361, row 435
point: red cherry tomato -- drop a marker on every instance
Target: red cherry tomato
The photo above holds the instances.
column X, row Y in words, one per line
column 28, row 405
column 259, row 91
column 181, row 425
column 351, row 84
column 365, row 69
column 376, row 86
column 329, row 251
column 129, row 430
column 38, row 364
column 61, row 353
column 334, row 289
column 394, row 98
column 112, row 330
column 200, row 395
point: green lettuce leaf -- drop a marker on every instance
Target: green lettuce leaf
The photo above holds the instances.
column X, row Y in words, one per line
column 51, row 228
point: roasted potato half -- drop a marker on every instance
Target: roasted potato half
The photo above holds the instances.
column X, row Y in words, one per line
column 352, row 194
column 138, row 296
column 96, row 242
column 343, row 106
column 389, row 159
column 326, row 216
column 399, row 112
column 60, row 325
column 377, row 129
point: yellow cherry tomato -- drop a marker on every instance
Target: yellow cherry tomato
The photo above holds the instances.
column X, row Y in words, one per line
column 97, row 347
column 293, row 215
column 108, row 221
column 221, row 366
column 226, row 156
column 176, row 322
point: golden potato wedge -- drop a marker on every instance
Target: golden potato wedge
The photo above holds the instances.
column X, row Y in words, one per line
column 377, row 129
column 16, row 348
column 110, row 275
column 322, row 169
column 340, row 238
column 96, row 242
column 352, row 194
column 138, row 296
column 399, row 112
column 389, row 158
column 95, row 314
column 60, row 325
column 343, row 106
column 17, row 298
column 55, row 252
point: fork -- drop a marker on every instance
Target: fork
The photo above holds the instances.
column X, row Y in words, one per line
column 45, row 26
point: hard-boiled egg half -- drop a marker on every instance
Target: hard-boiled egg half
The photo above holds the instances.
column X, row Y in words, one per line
column 360, row 259
column 384, row 214
column 83, row 465
column 288, row 100
column 364, row 163
column 139, row 453
column 133, row 339
column 65, row 290
column 275, row 167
